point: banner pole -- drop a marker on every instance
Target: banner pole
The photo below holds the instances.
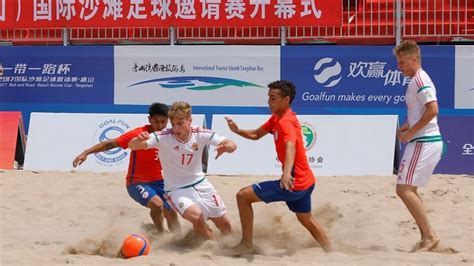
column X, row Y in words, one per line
column 283, row 36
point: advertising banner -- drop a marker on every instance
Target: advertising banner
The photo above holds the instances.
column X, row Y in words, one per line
column 167, row 13
column 56, row 75
column 354, row 76
column 12, row 140
column 458, row 134
column 335, row 145
column 464, row 81
column 200, row 75
column 55, row 139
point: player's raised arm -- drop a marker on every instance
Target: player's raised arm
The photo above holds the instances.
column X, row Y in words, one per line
column 139, row 142
column 253, row 134
column 225, row 145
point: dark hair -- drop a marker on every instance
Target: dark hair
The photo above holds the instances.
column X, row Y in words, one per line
column 158, row 109
column 286, row 87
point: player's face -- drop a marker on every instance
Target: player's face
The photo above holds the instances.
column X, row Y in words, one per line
column 407, row 64
column 181, row 127
column 276, row 102
column 158, row 122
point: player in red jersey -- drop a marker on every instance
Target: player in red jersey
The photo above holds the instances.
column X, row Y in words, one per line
column 144, row 179
column 297, row 180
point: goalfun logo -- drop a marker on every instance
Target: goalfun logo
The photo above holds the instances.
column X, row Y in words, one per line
column 107, row 130
column 327, row 72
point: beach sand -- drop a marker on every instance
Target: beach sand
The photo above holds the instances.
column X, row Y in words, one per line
column 81, row 218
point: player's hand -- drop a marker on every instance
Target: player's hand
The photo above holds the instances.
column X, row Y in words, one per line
column 143, row 135
column 405, row 136
column 220, row 149
column 286, row 182
column 79, row 160
column 232, row 125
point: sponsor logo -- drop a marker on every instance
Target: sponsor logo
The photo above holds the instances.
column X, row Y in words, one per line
column 309, row 135
column 197, row 83
column 468, row 149
column 195, row 147
column 110, row 129
column 327, row 72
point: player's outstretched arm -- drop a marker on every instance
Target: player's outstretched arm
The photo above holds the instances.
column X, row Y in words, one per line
column 226, row 145
column 139, row 142
column 103, row 146
column 253, row 134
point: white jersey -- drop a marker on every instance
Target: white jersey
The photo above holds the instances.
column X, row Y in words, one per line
column 182, row 160
column 421, row 91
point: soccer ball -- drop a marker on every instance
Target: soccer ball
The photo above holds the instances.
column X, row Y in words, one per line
column 135, row 245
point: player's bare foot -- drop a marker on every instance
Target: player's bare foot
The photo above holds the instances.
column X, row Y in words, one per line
column 417, row 246
column 242, row 249
column 191, row 240
column 428, row 244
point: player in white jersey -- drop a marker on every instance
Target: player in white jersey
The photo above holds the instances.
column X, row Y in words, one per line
column 424, row 143
column 187, row 188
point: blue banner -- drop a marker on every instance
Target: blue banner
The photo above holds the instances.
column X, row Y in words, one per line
column 361, row 76
column 57, row 75
column 458, row 133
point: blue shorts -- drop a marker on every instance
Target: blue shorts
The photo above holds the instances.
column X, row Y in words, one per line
column 143, row 192
column 297, row 201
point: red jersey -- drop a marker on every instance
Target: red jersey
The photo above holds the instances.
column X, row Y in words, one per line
column 288, row 128
column 144, row 165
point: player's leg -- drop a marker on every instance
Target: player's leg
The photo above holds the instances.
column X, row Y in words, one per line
column 213, row 206
column 245, row 197
column 171, row 217
column 418, row 211
column 186, row 202
column 316, row 230
column 300, row 204
column 168, row 212
column 156, row 212
column 146, row 196
column 223, row 224
column 194, row 215
column 418, row 163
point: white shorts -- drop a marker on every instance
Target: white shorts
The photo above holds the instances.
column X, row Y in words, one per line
column 418, row 162
column 203, row 194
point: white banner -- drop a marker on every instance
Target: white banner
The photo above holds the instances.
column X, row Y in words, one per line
column 200, row 75
column 55, row 139
column 464, row 78
column 336, row 145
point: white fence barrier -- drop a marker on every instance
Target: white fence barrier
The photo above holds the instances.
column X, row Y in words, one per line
column 336, row 145
column 54, row 139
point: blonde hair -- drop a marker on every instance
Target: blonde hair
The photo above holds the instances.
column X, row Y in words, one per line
column 180, row 110
column 408, row 47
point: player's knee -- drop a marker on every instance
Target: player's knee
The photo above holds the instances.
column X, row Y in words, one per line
column 194, row 216
column 170, row 213
column 241, row 195
column 401, row 191
column 304, row 218
column 155, row 204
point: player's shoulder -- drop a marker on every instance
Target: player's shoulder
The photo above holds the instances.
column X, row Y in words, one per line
column 135, row 131
column 422, row 78
column 200, row 131
column 165, row 133
column 289, row 117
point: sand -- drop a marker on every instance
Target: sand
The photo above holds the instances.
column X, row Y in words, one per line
column 52, row 218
